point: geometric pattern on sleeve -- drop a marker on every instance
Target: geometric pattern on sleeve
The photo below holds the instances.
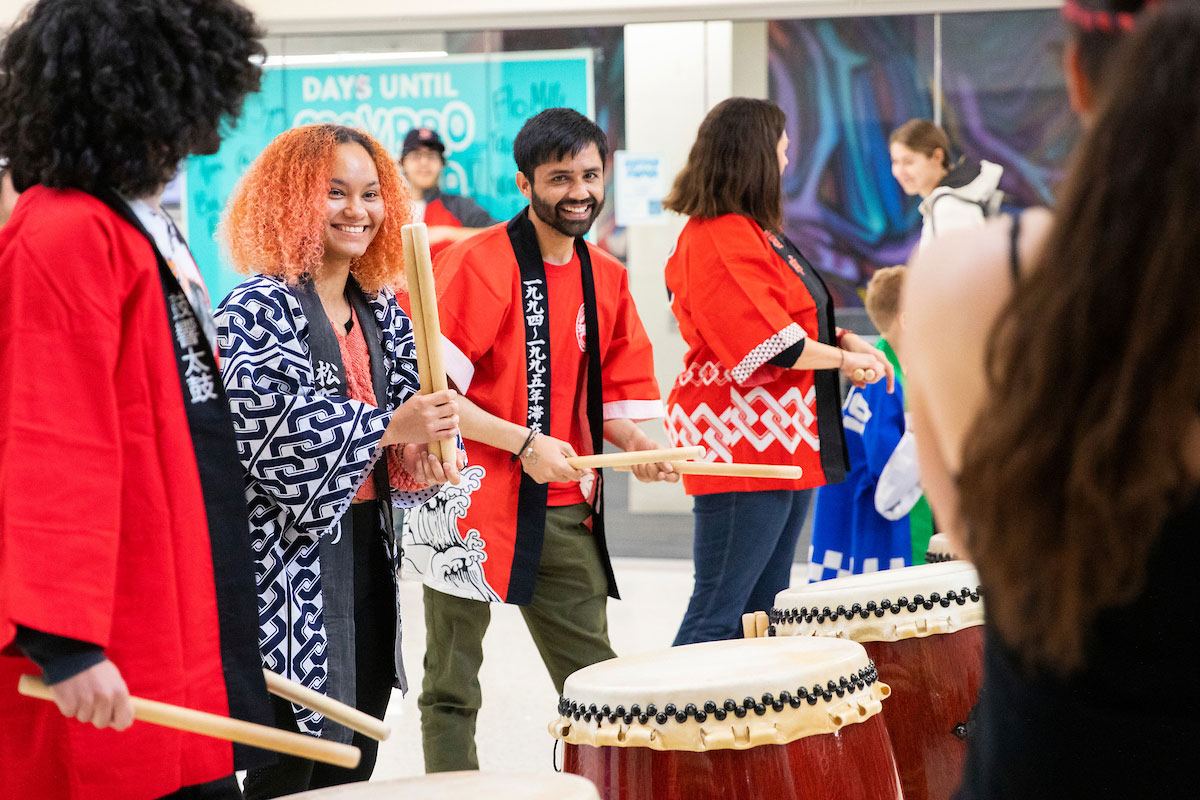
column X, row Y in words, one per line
column 765, row 351
column 756, row 416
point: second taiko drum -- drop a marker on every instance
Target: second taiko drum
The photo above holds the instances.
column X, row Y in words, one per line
column 923, row 628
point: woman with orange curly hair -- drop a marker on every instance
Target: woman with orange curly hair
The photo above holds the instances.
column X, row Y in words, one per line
column 319, row 366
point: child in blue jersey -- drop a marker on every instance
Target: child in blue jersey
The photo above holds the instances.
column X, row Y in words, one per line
column 850, row 535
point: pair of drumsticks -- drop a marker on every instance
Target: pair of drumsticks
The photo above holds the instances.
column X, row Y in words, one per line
column 861, row 375
column 755, row 625
column 249, row 733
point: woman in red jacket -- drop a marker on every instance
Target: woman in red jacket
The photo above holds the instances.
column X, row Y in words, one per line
column 760, row 379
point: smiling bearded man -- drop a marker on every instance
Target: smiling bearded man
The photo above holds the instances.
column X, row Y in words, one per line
column 521, row 303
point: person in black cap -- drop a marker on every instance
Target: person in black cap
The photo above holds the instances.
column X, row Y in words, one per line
column 450, row 217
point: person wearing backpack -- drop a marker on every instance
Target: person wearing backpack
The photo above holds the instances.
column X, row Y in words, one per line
column 955, row 196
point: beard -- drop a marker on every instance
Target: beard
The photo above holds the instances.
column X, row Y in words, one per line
column 551, row 215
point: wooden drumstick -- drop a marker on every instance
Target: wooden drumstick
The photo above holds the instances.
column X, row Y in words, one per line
column 749, row 630
column 426, row 319
column 635, row 457
column 218, row 727
column 417, row 311
column 761, row 623
column 771, row 471
column 341, row 713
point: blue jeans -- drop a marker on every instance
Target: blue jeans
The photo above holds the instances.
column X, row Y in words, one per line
column 743, row 551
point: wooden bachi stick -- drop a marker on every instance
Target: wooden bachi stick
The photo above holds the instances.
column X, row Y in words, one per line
column 635, row 457
column 341, row 713
column 218, row 727
column 770, row 471
column 414, row 300
column 427, row 331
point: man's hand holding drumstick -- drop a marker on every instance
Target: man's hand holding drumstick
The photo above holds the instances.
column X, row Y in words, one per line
column 625, row 434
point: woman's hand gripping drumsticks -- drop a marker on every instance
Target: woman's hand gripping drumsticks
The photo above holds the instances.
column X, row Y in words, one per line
column 863, row 364
column 433, row 416
column 218, row 727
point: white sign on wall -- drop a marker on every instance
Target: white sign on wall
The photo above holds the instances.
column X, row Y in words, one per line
column 640, row 186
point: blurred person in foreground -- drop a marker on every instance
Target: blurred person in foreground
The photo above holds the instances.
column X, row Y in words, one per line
column 1055, row 395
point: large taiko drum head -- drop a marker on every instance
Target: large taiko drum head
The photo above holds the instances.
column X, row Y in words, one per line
column 922, row 626
column 940, row 549
column 464, row 786
column 751, row 718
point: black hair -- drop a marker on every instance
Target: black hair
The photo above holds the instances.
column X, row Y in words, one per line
column 552, row 134
column 99, row 94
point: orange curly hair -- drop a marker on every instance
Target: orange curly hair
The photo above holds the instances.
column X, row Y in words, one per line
column 274, row 223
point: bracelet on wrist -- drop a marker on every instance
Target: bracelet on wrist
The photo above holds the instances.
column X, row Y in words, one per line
column 517, row 456
column 839, row 334
column 842, row 363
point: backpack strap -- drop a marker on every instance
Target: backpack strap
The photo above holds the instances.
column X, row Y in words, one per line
column 1014, row 237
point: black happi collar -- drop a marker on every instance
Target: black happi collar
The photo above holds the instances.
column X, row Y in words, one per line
column 222, row 486
column 532, row 496
column 834, row 457
column 328, row 371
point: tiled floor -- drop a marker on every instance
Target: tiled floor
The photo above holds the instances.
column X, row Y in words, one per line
column 519, row 701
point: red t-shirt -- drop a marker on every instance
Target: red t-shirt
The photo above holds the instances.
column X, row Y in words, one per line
column 568, row 348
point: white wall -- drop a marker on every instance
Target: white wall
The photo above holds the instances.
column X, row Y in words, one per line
column 674, row 73
column 284, row 16
column 466, row 14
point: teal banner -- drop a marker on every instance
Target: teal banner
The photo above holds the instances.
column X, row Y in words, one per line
column 476, row 103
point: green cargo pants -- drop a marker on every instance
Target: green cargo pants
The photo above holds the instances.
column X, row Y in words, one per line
column 567, row 619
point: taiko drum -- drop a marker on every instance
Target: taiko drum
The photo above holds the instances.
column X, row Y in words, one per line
column 923, row 628
column 786, row 719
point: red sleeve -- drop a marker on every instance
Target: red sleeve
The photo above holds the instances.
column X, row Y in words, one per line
column 60, row 454
column 474, row 286
column 737, row 296
column 630, row 388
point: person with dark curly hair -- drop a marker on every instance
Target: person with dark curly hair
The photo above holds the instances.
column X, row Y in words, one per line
column 124, row 542
column 317, row 334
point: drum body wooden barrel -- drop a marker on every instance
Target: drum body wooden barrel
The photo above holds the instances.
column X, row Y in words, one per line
column 922, row 626
column 740, row 720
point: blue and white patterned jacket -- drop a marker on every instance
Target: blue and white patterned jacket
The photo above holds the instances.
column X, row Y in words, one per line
column 306, row 454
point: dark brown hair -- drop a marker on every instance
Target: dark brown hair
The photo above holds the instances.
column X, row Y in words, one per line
column 112, row 94
column 883, row 296
column 1076, row 458
column 733, row 167
column 922, row 136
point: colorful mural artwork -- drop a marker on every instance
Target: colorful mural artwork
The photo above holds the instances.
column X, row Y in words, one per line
column 846, row 84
